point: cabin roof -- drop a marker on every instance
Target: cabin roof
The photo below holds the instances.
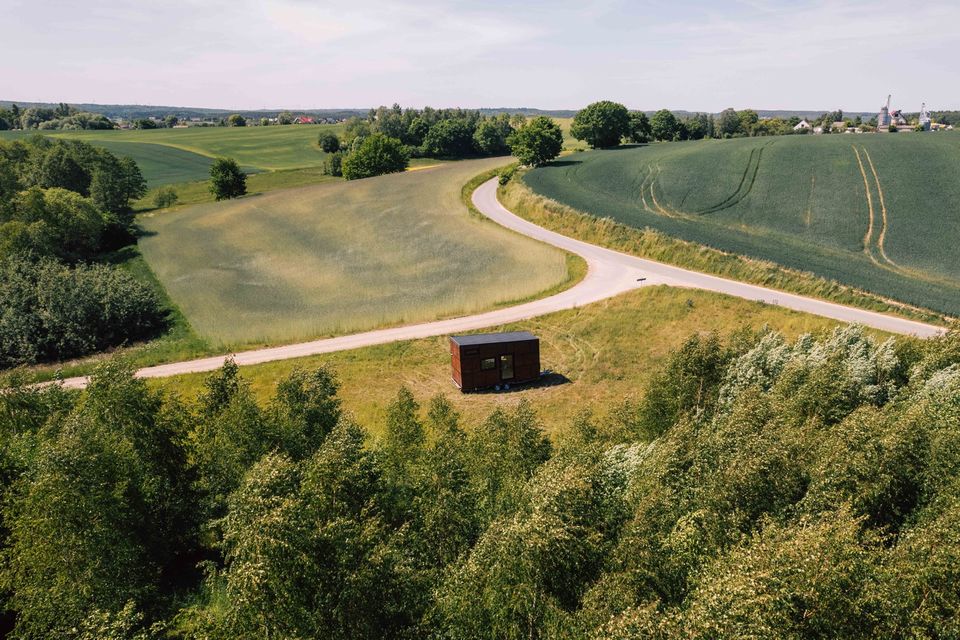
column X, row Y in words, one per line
column 492, row 338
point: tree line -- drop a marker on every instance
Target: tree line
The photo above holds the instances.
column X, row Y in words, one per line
column 64, row 209
column 385, row 140
column 63, row 117
column 761, row 488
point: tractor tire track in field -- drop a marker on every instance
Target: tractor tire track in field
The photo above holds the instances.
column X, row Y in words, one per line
column 868, row 236
column 735, row 198
column 657, row 208
column 883, row 211
column 744, row 187
column 871, row 244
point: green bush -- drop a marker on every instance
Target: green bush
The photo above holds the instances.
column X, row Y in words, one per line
column 375, row 155
column 54, row 312
column 333, row 164
column 165, row 197
column 226, row 179
column 329, row 142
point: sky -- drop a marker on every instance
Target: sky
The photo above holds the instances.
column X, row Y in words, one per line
column 695, row 55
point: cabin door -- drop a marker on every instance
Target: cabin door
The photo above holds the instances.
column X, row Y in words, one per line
column 506, row 367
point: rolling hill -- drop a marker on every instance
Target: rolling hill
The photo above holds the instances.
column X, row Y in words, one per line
column 879, row 212
column 341, row 257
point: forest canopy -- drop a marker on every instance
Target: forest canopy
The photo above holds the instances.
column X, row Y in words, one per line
column 763, row 487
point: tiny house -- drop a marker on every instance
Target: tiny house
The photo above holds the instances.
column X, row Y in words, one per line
column 494, row 359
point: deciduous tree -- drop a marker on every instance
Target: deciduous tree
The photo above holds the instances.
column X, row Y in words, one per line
column 537, row 142
column 601, row 124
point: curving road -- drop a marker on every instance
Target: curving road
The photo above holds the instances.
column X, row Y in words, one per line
column 609, row 274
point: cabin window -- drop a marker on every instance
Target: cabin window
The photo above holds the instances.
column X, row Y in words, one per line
column 487, row 364
column 506, row 367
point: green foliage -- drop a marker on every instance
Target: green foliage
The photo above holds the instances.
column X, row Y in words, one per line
column 110, row 181
column 687, row 385
column 55, row 312
column 329, row 142
column 236, row 120
column 640, row 129
column 664, row 125
column 376, row 155
column 102, row 511
column 227, row 180
column 808, row 580
column 505, row 451
column 116, row 183
column 333, row 165
column 803, row 489
column 537, row 142
column 490, row 137
column 449, row 139
column 602, row 124
column 729, row 123
column 52, row 222
column 165, row 197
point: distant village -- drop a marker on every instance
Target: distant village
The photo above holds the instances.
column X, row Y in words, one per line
column 886, row 121
column 173, row 122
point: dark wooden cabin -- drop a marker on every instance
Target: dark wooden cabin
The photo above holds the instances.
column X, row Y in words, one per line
column 489, row 360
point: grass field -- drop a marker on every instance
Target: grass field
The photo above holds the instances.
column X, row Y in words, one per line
column 569, row 142
column 879, row 212
column 341, row 257
column 268, row 148
column 606, row 352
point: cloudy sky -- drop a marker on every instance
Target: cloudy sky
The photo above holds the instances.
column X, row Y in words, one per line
column 558, row 54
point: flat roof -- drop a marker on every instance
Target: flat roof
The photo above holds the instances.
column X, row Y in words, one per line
column 492, row 338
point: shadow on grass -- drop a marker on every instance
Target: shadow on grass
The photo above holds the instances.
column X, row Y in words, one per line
column 546, row 379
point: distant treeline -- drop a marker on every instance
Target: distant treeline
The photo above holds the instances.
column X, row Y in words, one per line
column 385, row 139
column 61, row 116
column 132, row 112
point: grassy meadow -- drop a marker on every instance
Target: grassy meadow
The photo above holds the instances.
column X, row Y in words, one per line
column 600, row 354
column 878, row 212
column 569, row 142
column 341, row 257
column 175, row 156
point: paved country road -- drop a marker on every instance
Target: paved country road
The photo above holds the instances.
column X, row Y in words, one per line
column 609, row 274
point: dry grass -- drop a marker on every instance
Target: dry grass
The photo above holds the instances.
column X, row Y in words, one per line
column 607, row 350
column 342, row 257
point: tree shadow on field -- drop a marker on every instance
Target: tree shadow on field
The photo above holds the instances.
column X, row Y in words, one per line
column 561, row 163
column 625, row 147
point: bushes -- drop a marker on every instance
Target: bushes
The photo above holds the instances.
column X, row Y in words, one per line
column 745, row 509
column 333, row 164
column 329, row 142
column 226, row 179
column 165, row 197
column 52, row 222
column 52, row 311
column 376, row 155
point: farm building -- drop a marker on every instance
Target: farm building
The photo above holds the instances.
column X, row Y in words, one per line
column 803, row 124
column 490, row 360
column 303, row 120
